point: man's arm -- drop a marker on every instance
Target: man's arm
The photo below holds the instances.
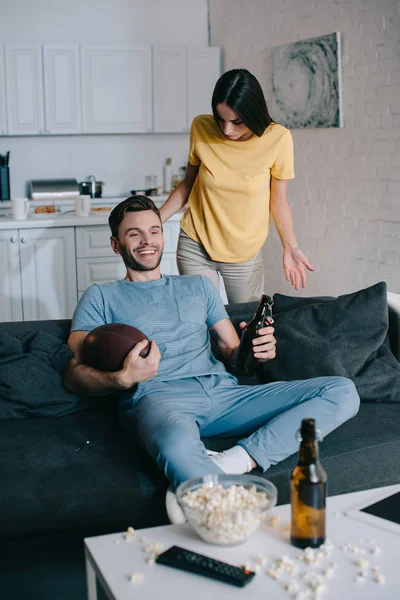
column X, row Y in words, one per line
column 228, row 341
column 81, row 379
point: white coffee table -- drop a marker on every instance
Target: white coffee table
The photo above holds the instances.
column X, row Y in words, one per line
column 112, row 560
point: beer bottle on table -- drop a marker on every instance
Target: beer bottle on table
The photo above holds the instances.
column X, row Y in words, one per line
column 308, row 491
column 245, row 362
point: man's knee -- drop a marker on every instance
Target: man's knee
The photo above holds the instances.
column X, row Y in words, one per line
column 347, row 397
column 173, row 442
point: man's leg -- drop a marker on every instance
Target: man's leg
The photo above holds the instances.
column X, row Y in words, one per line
column 166, row 422
column 272, row 413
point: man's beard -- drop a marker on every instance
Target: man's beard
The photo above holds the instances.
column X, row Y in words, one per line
column 133, row 264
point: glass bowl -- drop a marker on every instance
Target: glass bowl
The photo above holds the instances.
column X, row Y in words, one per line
column 226, row 509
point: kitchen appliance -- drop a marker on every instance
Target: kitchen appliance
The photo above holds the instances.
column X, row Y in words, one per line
column 53, row 189
column 91, row 187
column 149, row 192
column 4, row 176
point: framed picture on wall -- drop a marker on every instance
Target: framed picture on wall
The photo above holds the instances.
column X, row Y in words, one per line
column 307, row 83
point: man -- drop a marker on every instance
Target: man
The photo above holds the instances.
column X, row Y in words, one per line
column 180, row 392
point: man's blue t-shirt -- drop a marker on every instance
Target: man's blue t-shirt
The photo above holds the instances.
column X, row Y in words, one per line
column 176, row 311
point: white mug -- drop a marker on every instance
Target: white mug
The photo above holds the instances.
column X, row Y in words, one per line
column 20, row 208
column 82, row 206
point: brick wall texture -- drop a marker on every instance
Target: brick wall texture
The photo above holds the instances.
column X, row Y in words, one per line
column 346, row 195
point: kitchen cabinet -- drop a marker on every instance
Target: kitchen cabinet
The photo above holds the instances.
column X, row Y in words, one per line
column 45, row 269
column 24, row 88
column 203, row 71
column 37, row 274
column 48, row 273
column 67, row 89
column 10, row 278
column 61, row 70
column 3, row 111
column 183, row 83
column 170, row 94
column 116, row 89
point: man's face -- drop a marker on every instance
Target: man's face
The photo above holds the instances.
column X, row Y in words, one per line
column 141, row 240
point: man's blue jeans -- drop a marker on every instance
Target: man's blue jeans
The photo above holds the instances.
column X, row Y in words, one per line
column 172, row 416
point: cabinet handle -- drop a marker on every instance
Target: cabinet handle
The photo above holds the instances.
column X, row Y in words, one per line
column 13, row 239
column 24, row 240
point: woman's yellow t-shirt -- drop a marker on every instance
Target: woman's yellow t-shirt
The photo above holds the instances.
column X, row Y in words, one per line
column 229, row 203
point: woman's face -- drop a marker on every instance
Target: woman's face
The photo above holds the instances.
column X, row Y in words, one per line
column 231, row 124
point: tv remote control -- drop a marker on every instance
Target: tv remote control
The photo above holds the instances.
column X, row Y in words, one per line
column 180, row 558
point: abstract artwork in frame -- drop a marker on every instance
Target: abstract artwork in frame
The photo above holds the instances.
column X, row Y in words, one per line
column 307, row 83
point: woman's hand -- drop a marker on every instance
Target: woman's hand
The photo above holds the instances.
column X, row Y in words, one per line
column 294, row 262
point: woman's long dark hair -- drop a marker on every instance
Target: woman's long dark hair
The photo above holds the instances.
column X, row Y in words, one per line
column 241, row 91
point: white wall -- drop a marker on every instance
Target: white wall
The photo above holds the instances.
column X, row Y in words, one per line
column 121, row 161
column 345, row 198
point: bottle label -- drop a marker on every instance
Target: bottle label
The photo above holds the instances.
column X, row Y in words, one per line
column 313, row 495
column 308, row 513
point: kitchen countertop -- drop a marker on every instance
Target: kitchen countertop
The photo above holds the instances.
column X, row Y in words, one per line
column 112, row 200
column 68, row 218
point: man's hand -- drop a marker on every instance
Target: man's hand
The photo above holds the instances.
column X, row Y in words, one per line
column 264, row 346
column 137, row 369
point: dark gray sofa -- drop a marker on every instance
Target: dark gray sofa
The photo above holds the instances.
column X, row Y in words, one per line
column 82, row 470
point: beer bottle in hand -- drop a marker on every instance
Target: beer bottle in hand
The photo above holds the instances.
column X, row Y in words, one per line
column 308, row 491
column 245, row 362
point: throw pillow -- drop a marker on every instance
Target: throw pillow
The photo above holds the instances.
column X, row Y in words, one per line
column 31, row 382
column 344, row 336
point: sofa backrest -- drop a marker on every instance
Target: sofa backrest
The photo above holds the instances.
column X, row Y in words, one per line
column 237, row 312
column 58, row 328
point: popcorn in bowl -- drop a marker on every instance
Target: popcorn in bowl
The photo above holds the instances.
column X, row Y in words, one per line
column 226, row 509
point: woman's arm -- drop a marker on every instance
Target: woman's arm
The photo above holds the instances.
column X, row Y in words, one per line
column 294, row 260
column 179, row 196
column 281, row 213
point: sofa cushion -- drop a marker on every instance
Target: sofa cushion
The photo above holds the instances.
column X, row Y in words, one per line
column 77, row 470
column 31, row 383
column 361, row 454
column 344, row 336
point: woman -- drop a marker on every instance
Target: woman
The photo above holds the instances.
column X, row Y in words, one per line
column 238, row 167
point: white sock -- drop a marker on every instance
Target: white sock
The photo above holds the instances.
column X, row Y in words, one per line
column 234, row 461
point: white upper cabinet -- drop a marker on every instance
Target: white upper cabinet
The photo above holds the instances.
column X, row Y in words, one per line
column 169, row 90
column 183, row 82
column 116, row 89
column 3, row 112
column 62, row 89
column 203, row 71
column 24, row 85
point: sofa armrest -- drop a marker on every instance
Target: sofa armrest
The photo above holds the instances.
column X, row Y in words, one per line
column 394, row 323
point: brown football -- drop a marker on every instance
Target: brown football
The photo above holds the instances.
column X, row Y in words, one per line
column 106, row 347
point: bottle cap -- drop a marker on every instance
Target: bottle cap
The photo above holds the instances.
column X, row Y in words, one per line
column 308, row 431
column 307, row 428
